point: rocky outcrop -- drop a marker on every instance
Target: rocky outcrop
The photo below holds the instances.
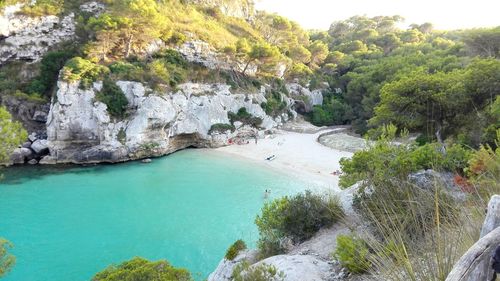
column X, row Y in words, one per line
column 32, row 114
column 80, row 130
column 305, row 99
column 29, row 38
column 234, row 8
column 224, row 270
column 301, row 267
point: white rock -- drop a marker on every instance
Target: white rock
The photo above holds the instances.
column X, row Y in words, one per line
column 30, row 38
column 154, row 121
column 224, row 270
column 300, row 267
column 40, row 146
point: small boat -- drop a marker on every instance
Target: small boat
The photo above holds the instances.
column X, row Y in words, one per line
column 146, row 160
column 271, row 158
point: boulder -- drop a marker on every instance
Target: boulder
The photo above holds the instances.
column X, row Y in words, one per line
column 26, row 144
column 48, row 160
column 27, row 153
column 40, row 147
column 33, row 162
column 17, row 156
column 40, row 116
column 32, row 137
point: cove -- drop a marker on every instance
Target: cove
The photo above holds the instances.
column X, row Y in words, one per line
column 69, row 223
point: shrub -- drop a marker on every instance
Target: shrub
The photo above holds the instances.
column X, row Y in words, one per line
column 43, row 7
column 262, row 272
column 244, row 117
column 7, row 260
column 114, row 98
column 177, row 39
column 296, row 218
column 220, row 128
column 127, row 71
column 84, row 70
column 235, row 249
column 352, row 253
column 142, row 269
column 50, row 66
column 275, row 104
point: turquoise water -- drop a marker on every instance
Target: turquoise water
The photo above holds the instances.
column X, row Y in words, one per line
column 68, row 224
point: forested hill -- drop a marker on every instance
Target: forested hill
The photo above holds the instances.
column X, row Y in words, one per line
column 439, row 83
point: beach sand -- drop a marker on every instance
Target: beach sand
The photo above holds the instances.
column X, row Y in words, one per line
column 297, row 154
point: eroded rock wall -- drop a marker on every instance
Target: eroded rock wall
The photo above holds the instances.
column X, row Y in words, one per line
column 80, row 130
column 29, row 38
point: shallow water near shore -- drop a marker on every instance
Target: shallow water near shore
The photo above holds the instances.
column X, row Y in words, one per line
column 67, row 223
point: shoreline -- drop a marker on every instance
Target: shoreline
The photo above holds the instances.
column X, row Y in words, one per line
column 297, row 154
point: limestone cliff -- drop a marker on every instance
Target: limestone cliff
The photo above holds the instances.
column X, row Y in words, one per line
column 29, row 38
column 80, row 130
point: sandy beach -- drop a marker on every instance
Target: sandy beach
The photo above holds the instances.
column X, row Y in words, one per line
column 298, row 154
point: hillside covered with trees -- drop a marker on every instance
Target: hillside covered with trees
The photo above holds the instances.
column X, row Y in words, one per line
column 389, row 83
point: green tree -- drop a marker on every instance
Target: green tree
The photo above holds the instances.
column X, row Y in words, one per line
column 139, row 269
column 319, row 52
column 7, row 260
column 263, row 54
column 12, row 134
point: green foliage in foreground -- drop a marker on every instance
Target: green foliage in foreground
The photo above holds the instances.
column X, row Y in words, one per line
column 384, row 161
column 12, row 134
column 7, row 260
column 296, row 219
column 139, row 269
column 114, row 98
column 352, row 253
column 235, row 249
column 262, row 272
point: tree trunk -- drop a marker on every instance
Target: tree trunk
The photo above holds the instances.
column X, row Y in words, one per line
column 246, row 67
column 128, row 46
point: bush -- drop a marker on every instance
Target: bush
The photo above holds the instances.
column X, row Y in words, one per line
column 235, row 249
column 127, row 71
column 262, row 272
column 296, row 218
column 244, row 117
column 221, row 128
column 84, row 70
column 275, row 104
column 384, row 161
column 50, row 66
column 142, row 269
column 7, row 261
column 43, row 8
column 114, row 98
column 177, row 39
column 352, row 253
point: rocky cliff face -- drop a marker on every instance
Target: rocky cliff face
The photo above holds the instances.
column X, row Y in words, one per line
column 27, row 38
column 234, row 8
column 80, row 130
column 305, row 98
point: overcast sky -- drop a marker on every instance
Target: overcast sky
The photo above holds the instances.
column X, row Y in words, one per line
column 444, row 14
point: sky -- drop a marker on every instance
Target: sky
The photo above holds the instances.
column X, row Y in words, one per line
column 443, row 14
